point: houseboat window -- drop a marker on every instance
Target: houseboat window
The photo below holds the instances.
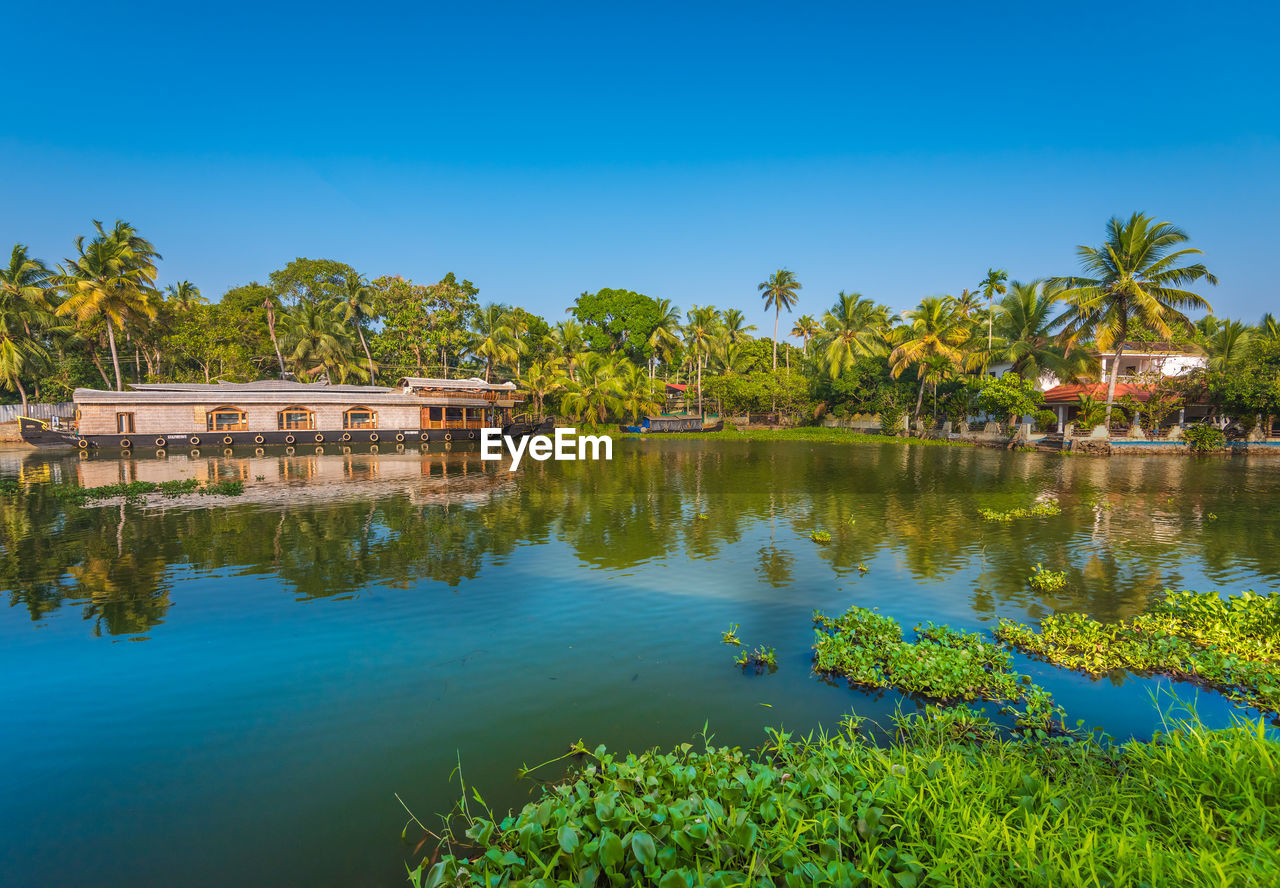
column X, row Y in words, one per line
column 359, row 418
column 296, row 418
column 124, row 423
column 454, row 414
column 227, row 419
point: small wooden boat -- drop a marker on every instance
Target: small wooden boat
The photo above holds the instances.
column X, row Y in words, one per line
column 668, row 424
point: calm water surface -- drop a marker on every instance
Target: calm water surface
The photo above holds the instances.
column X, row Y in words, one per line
column 231, row 692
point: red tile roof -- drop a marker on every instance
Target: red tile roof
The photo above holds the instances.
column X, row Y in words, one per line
column 1069, row 394
column 676, row 386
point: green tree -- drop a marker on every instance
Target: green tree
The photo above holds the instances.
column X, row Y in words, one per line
column 618, row 320
column 991, row 285
column 780, row 291
column 111, row 280
column 1025, row 337
column 25, row 311
column 311, row 281
column 636, row 394
column 806, row 327
column 316, row 343
column 358, row 305
column 544, row 379
column 1009, row 395
column 594, row 394
column 700, row 329
column 854, row 327
column 182, row 295
column 492, row 339
column 1228, row 346
column 1133, row 279
column 933, row 330
column 735, row 326
column 664, row 340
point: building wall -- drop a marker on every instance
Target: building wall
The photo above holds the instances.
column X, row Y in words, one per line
column 161, row 419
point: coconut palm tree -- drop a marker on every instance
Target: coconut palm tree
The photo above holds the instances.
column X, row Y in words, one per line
column 1228, row 345
column 806, row 327
column 779, row 292
column 1024, row 333
column 269, row 304
column 854, row 327
column 111, row 280
column 357, row 305
column 183, row 295
column 735, row 325
column 1268, row 328
column 966, row 303
column 570, row 342
column 664, row 341
column 491, row 338
column 990, row 285
column 933, row 329
column 317, row 342
column 594, row 395
column 635, row 392
column 543, row 379
column 1134, row 279
column 702, row 324
column 25, row 309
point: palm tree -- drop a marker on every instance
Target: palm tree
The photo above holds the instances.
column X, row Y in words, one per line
column 1024, row 325
column 1228, row 344
column 1269, row 328
column 664, row 340
column 317, row 342
column 270, row 305
column 779, row 292
column 569, row 340
column 634, row 391
column 852, row 328
column 966, row 304
column 735, row 325
column 543, row 379
column 358, row 305
column 992, row 284
column 183, row 295
column 699, row 331
column 111, row 279
column 594, row 394
column 1132, row 280
column 24, row 309
column 806, row 327
column 492, row 339
column 933, row 330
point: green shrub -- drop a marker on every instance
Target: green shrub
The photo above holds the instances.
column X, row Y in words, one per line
column 1046, row 421
column 1204, row 438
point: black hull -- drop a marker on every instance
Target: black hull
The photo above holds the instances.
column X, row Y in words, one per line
column 35, row 433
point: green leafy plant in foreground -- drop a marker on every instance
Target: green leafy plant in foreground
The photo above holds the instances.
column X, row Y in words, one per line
column 1204, row 438
column 730, row 635
column 1047, row 580
column 1231, row 644
column 760, row 657
column 820, row 536
column 947, row 803
column 1039, row 510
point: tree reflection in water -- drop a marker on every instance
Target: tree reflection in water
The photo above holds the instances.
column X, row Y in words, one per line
column 332, row 525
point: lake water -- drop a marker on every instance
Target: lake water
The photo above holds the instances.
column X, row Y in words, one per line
column 232, row 692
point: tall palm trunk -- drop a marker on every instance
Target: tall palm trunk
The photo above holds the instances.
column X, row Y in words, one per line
column 115, row 358
column 777, row 311
column 700, row 388
column 271, row 328
column 919, row 399
column 22, row 393
column 368, row 357
column 1111, row 383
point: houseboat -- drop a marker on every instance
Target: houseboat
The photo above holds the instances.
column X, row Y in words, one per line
column 282, row 412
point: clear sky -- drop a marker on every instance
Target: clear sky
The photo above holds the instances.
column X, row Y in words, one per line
column 685, row 150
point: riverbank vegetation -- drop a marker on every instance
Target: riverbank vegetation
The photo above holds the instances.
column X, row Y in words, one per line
column 814, row 434
column 1231, row 645
column 100, row 318
column 134, row 490
column 947, row 802
column 1039, row 510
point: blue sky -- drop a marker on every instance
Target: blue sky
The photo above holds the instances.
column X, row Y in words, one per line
column 683, row 150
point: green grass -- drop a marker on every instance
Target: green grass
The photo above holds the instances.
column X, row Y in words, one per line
column 1231, row 645
column 947, row 803
column 944, row 664
column 819, row 434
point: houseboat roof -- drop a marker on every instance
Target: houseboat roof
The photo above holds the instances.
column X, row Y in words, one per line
column 259, row 385
column 423, row 382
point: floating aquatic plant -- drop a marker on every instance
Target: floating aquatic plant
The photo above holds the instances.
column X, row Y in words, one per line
column 759, row 657
column 1047, row 580
column 1039, row 510
column 820, row 536
column 1231, row 645
column 730, row 635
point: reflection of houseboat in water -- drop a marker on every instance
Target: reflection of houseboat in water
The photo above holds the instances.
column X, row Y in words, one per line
column 280, row 412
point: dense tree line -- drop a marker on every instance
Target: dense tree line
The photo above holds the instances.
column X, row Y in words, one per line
column 98, row 318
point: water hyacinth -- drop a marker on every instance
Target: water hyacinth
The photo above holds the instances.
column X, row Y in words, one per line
column 947, row 803
column 1231, row 645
